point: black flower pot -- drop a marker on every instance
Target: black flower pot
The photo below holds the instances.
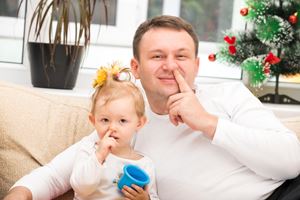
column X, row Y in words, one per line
column 58, row 71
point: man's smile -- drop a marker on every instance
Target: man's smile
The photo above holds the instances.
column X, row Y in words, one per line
column 167, row 79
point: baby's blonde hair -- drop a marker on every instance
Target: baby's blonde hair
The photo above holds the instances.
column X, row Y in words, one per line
column 113, row 89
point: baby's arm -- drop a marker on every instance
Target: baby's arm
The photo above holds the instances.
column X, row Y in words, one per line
column 50, row 180
column 87, row 171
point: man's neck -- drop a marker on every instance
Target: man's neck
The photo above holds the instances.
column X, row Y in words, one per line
column 158, row 105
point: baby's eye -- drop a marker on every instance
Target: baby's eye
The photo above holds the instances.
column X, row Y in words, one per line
column 104, row 120
column 123, row 121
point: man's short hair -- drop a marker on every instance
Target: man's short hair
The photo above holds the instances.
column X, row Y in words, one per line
column 163, row 21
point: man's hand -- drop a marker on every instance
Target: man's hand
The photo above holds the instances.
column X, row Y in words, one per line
column 104, row 146
column 135, row 193
column 184, row 107
column 19, row 193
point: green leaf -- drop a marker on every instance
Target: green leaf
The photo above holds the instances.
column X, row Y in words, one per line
column 255, row 70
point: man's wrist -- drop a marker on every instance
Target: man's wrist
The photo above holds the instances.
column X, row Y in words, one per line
column 210, row 130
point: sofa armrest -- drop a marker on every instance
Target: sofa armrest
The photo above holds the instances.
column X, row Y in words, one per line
column 292, row 123
column 35, row 127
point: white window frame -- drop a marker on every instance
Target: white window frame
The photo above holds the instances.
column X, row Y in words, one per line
column 12, row 35
column 14, row 27
column 130, row 13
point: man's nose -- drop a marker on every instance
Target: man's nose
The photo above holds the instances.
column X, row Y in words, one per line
column 170, row 64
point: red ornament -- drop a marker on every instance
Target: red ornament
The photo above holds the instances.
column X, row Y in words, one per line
column 230, row 40
column 270, row 58
column 232, row 50
column 244, row 11
column 293, row 19
column 212, row 57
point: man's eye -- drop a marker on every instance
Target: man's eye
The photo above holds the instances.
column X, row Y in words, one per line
column 157, row 56
column 181, row 57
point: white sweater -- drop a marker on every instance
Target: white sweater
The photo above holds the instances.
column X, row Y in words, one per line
column 92, row 181
column 251, row 154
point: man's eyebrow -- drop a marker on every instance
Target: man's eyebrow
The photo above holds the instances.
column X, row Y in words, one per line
column 183, row 49
column 160, row 50
column 156, row 51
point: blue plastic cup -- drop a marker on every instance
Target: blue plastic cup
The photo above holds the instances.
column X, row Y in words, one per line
column 133, row 175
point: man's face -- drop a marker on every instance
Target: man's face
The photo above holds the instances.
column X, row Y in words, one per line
column 161, row 51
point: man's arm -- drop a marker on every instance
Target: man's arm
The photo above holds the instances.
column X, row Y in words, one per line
column 51, row 180
column 250, row 132
column 256, row 137
column 20, row 193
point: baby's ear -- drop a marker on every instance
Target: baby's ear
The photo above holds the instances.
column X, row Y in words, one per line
column 142, row 122
column 92, row 118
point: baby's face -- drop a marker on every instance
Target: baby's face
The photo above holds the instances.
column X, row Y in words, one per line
column 120, row 117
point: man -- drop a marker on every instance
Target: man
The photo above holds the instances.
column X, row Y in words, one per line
column 215, row 143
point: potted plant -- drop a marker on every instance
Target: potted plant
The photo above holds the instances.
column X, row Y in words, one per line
column 67, row 24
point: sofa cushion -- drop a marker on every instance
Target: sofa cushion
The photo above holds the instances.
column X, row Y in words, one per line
column 34, row 127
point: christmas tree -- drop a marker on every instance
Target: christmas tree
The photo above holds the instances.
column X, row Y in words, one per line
column 270, row 47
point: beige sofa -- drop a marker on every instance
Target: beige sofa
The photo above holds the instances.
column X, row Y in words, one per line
column 35, row 126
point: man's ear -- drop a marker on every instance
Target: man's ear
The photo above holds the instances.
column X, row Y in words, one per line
column 197, row 64
column 92, row 118
column 142, row 122
column 134, row 64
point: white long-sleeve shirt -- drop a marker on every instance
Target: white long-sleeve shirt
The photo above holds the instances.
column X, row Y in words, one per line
column 93, row 181
column 251, row 154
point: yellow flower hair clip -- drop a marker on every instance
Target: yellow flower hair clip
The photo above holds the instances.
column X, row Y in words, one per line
column 115, row 71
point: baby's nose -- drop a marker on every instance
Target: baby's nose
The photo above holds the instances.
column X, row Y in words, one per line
column 112, row 126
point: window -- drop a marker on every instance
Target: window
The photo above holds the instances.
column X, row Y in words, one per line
column 12, row 31
column 113, row 42
column 155, row 7
column 213, row 17
column 208, row 17
column 99, row 16
column 8, row 8
column 126, row 16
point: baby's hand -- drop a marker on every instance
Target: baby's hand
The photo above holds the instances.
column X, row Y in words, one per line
column 135, row 193
column 104, row 146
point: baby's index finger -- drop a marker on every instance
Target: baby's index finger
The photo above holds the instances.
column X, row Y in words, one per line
column 107, row 134
column 182, row 84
